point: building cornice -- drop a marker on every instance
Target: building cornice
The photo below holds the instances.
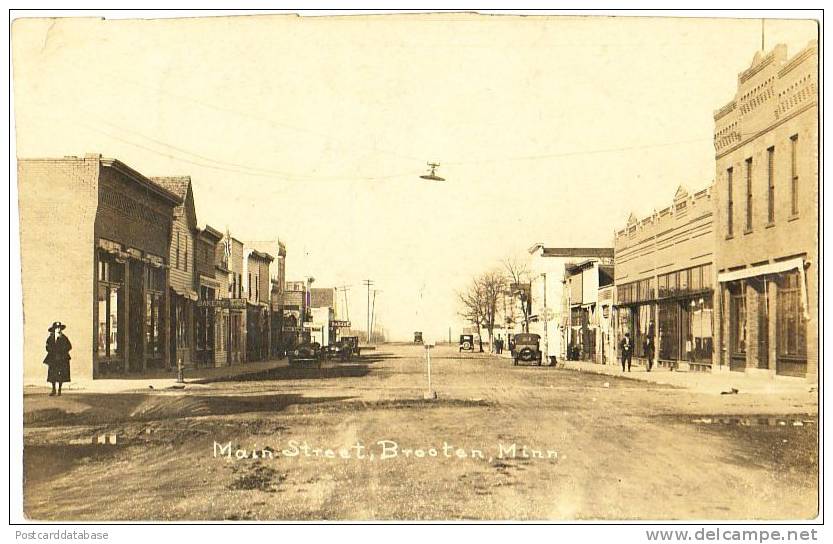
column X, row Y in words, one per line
column 768, row 128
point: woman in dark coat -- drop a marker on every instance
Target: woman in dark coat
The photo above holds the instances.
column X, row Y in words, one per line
column 57, row 358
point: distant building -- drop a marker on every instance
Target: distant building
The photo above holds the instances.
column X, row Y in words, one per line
column 665, row 281
column 583, row 281
column 257, row 287
column 549, row 316
column 766, row 217
column 209, row 311
column 107, row 229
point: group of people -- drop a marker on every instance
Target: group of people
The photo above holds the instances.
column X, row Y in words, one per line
column 626, row 348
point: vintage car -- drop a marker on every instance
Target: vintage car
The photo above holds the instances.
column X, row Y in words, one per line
column 345, row 348
column 466, row 342
column 526, row 347
column 418, row 337
column 306, row 352
column 351, row 343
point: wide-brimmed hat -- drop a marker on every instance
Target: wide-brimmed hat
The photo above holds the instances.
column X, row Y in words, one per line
column 57, row 325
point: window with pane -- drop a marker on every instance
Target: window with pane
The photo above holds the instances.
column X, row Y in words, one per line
column 794, row 174
column 737, row 320
column 154, row 310
column 110, row 299
column 749, row 194
column 792, row 329
column 700, row 328
column 707, row 276
column 770, row 174
column 730, row 204
column 669, row 332
column 182, row 318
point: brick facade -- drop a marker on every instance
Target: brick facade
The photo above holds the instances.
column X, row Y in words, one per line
column 766, row 222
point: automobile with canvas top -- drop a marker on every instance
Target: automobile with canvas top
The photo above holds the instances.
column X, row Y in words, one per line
column 527, row 348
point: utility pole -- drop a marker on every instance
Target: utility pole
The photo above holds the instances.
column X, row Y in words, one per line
column 373, row 312
column 369, row 284
column 344, row 289
column 546, row 321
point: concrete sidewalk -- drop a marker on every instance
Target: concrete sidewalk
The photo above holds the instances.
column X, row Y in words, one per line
column 194, row 378
column 702, row 382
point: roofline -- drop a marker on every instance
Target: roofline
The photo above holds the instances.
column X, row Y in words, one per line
column 211, row 231
column 142, row 179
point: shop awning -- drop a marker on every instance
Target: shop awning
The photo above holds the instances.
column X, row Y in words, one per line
column 187, row 293
column 769, row 269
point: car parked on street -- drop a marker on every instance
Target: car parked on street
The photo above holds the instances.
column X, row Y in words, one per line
column 347, row 347
column 306, row 352
column 526, row 347
column 466, row 342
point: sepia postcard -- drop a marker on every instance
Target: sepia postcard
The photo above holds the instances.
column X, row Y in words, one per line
column 405, row 267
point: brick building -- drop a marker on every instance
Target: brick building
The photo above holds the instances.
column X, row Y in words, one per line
column 766, row 200
column 664, row 280
column 107, row 229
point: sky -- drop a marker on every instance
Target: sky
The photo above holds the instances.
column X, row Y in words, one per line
column 315, row 130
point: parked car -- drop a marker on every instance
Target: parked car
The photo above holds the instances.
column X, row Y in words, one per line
column 526, row 347
column 346, row 348
column 306, row 352
column 418, row 337
column 466, row 342
column 353, row 343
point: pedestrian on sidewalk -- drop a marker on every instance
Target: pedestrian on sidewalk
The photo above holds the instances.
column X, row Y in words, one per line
column 627, row 351
column 649, row 351
column 57, row 357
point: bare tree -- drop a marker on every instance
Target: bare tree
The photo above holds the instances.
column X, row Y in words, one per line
column 519, row 287
column 472, row 306
column 492, row 286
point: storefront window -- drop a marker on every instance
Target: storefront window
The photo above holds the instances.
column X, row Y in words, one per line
column 110, row 306
column 669, row 332
column 792, row 329
column 182, row 340
column 154, row 280
column 737, row 321
column 707, row 276
column 700, row 329
column 696, row 278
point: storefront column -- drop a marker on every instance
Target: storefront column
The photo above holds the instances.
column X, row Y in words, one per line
column 655, row 313
column 165, row 330
column 126, row 348
column 751, row 327
column 772, row 293
column 722, row 328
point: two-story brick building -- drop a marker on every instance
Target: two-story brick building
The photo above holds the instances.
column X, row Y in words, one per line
column 766, row 220
column 107, row 228
column 664, row 280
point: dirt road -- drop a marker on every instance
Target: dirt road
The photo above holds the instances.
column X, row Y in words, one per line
column 357, row 441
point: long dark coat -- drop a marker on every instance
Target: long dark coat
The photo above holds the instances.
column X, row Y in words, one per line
column 57, row 358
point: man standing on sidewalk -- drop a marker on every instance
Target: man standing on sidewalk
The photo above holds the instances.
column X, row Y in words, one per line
column 627, row 351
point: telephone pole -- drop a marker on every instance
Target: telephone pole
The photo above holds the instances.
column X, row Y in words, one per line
column 369, row 284
column 373, row 311
column 344, row 289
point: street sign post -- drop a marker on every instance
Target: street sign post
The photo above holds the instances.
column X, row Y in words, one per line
column 430, row 394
